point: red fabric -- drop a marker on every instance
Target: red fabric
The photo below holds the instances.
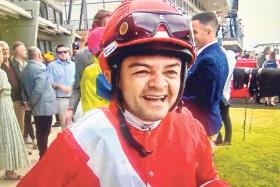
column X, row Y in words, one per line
column 251, row 63
column 242, row 93
column 64, row 164
column 181, row 152
column 181, row 157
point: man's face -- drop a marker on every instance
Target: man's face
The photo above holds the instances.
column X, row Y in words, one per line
column 40, row 57
column 150, row 85
column 21, row 51
column 62, row 53
column 75, row 52
column 6, row 52
column 201, row 34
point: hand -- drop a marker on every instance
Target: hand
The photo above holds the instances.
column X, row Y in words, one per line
column 26, row 106
column 63, row 88
column 67, row 89
column 68, row 116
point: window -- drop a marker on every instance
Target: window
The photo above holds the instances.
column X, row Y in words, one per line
column 51, row 14
column 44, row 45
column 43, row 10
column 180, row 3
column 58, row 17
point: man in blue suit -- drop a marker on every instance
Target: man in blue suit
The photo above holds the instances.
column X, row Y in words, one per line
column 206, row 77
column 40, row 96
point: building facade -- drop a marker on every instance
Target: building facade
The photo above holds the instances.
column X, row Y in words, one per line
column 46, row 23
column 34, row 22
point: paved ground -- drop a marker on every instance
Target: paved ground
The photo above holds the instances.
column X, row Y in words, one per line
column 33, row 158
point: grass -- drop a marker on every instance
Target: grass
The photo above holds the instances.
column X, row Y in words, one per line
column 255, row 161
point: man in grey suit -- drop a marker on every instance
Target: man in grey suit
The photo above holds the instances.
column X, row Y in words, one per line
column 40, row 97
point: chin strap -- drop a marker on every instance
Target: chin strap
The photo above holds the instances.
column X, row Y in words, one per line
column 130, row 139
column 180, row 106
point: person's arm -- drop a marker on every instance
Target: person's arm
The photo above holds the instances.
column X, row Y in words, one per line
column 3, row 78
column 56, row 86
column 50, row 73
column 76, row 91
column 24, row 98
column 40, row 81
column 73, row 104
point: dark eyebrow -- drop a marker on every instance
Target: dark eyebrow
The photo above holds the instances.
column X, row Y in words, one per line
column 173, row 65
column 148, row 66
column 138, row 64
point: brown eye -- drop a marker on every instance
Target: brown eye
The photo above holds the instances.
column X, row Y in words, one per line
column 172, row 73
column 141, row 73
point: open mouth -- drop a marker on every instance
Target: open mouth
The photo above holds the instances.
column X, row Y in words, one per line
column 155, row 98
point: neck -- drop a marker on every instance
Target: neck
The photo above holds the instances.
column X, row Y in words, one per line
column 37, row 60
column 6, row 62
column 140, row 124
column 19, row 59
column 62, row 60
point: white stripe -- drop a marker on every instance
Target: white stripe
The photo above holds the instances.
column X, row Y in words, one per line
column 208, row 182
column 99, row 140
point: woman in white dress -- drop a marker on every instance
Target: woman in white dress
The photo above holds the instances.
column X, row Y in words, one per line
column 13, row 153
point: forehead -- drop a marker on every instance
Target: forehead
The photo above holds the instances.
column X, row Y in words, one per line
column 61, row 49
column 152, row 61
column 4, row 46
column 20, row 47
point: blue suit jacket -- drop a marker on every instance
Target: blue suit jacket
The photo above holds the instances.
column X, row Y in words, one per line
column 37, row 90
column 204, row 87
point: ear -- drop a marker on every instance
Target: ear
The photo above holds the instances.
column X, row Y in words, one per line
column 108, row 76
column 209, row 29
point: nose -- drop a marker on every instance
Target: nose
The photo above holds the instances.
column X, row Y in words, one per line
column 157, row 81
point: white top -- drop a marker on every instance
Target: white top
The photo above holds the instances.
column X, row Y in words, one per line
column 231, row 64
column 201, row 49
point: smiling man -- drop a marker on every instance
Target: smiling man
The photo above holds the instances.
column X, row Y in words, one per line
column 155, row 85
column 143, row 138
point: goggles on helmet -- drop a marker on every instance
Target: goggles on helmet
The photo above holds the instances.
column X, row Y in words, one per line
column 139, row 25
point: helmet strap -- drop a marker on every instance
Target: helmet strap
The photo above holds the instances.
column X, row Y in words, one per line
column 119, row 99
column 130, row 139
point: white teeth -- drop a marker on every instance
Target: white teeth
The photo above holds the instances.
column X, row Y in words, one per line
column 154, row 97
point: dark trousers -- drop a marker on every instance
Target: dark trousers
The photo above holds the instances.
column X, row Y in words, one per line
column 224, row 108
column 43, row 129
column 57, row 119
column 28, row 129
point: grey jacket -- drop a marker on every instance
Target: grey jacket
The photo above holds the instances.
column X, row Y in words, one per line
column 83, row 59
column 37, row 90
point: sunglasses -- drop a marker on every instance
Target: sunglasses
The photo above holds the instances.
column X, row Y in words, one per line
column 60, row 52
column 145, row 24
